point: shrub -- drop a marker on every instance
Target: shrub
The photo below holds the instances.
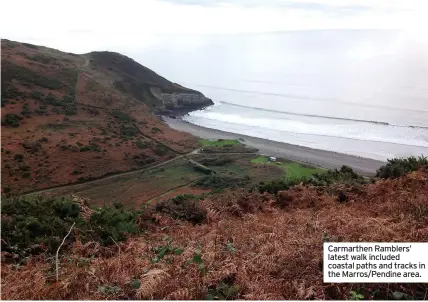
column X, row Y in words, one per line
column 52, row 100
column 32, row 147
column 397, row 167
column 128, row 131
column 35, row 220
column 11, row 120
column 216, row 161
column 161, row 150
column 156, row 129
column 18, row 157
column 111, row 224
column 344, row 175
column 33, row 224
column 220, row 182
column 85, row 148
column 121, row 116
column 30, row 45
column 142, row 145
column 143, row 159
column 25, row 110
column 36, row 95
column 276, row 185
column 184, row 207
column 203, row 169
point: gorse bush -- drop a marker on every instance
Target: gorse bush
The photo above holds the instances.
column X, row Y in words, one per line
column 397, row 167
column 185, row 207
column 280, row 184
column 114, row 223
column 11, row 120
column 35, row 224
column 221, row 182
column 35, row 220
column 121, row 116
column 344, row 175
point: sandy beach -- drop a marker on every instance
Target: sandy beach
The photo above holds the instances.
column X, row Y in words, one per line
column 316, row 157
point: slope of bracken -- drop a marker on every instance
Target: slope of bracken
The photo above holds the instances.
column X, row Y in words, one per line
column 252, row 246
column 69, row 118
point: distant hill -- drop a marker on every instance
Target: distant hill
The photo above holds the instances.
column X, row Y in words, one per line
column 68, row 118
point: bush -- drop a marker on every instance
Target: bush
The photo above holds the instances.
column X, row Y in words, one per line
column 128, row 131
column 397, row 167
column 216, row 161
column 36, row 95
column 142, row 145
column 220, row 182
column 26, row 110
column 143, row 159
column 184, row 207
column 36, row 220
column 111, row 224
column 18, row 157
column 161, row 150
column 35, row 224
column 11, row 120
column 276, row 185
column 203, row 169
column 344, row 175
column 121, row 116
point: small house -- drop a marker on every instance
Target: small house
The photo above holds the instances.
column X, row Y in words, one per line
column 272, row 159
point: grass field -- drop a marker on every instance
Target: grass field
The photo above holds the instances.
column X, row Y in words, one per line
column 218, row 143
column 292, row 169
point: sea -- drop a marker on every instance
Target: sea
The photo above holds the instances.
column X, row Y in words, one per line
column 358, row 92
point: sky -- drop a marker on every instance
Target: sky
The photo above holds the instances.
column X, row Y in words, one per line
column 81, row 26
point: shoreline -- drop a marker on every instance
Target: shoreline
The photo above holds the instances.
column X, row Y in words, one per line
column 306, row 155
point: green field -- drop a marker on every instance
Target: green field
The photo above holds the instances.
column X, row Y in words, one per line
column 292, row 169
column 218, row 143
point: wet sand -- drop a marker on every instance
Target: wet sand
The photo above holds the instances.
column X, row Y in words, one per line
column 316, row 157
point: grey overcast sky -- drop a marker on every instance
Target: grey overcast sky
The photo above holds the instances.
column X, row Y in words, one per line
column 85, row 25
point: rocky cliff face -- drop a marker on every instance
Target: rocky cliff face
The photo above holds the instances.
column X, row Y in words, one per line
column 184, row 102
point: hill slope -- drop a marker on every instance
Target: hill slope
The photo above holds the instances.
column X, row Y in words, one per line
column 249, row 246
column 68, row 118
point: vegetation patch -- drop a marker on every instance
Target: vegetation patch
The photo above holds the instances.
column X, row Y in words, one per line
column 221, row 182
column 185, row 207
column 11, row 120
column 345, row 176
column 218, row 143
column 216, row 161
column 121, row 116
column 142, row 145
column 36, row 224
column 128, row 131
column 161, row 150
column 397, row 167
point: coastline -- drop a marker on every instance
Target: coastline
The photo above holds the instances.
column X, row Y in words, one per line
column 314, row 157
